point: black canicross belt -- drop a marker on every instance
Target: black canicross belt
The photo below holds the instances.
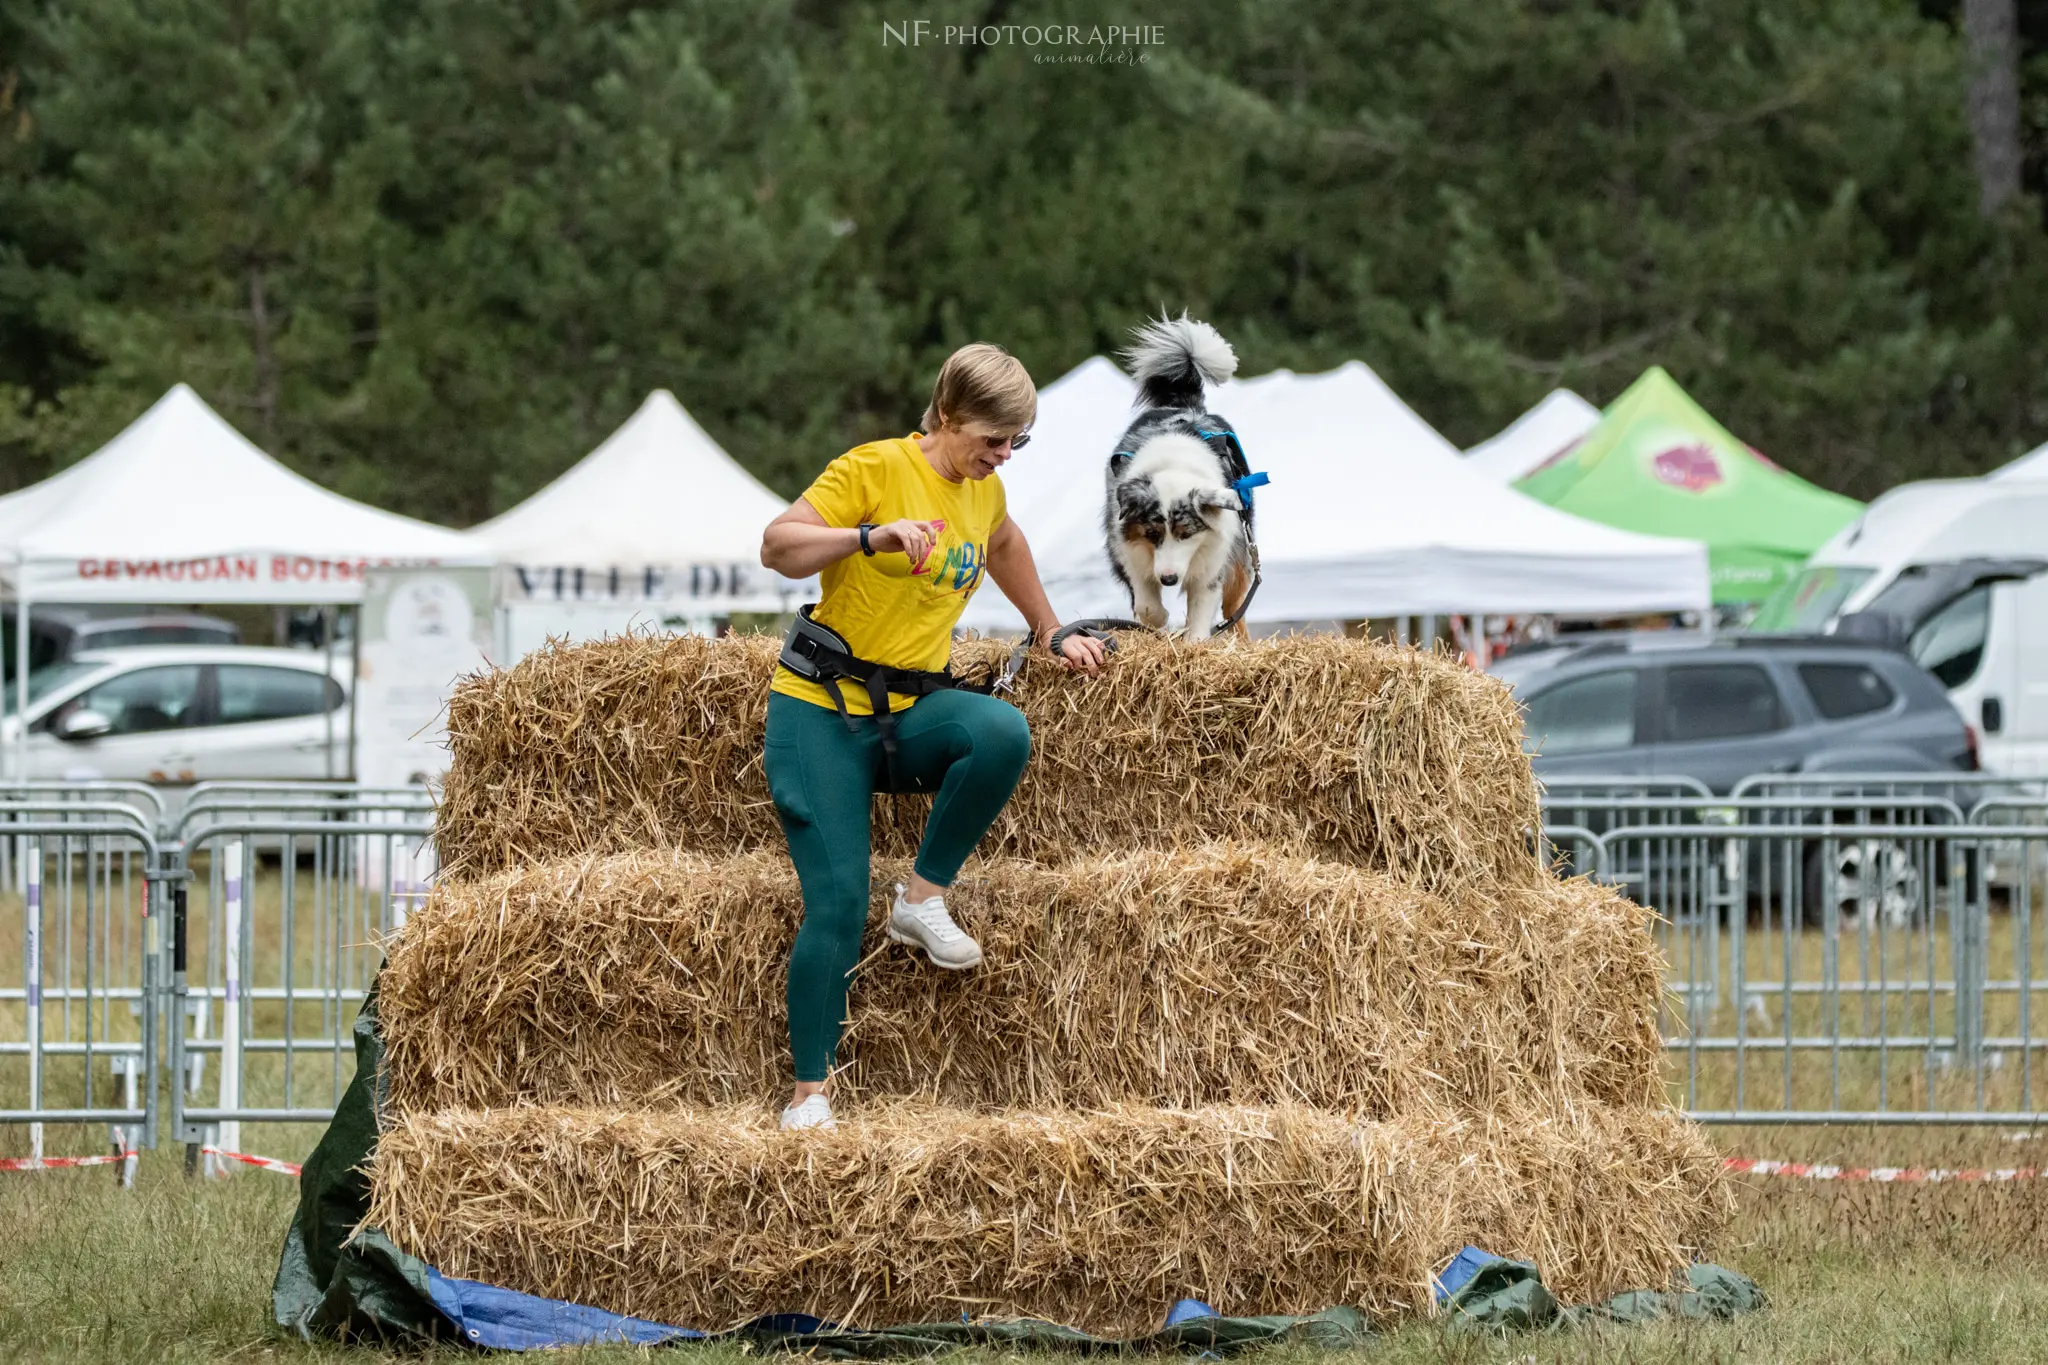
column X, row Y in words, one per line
column 819, row 654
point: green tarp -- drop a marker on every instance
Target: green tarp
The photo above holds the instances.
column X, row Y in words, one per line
column 1507, row 1295
column 1657, row 463
column 330, row 1283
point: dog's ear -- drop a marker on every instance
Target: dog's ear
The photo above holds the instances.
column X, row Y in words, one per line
column 1219, row 500
column 1137, row 500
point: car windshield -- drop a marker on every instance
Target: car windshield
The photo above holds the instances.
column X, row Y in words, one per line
column 1950, row 644
column 47, row 679
column 1809, row 602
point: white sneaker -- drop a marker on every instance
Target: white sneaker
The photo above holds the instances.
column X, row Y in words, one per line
column 814, row 1112
column 926, row 925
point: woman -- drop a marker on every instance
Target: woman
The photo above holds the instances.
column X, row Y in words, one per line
column 902, row 532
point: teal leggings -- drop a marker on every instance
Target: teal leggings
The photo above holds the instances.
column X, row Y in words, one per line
column 967, row 747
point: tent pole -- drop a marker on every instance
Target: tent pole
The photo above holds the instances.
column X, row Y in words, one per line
column 327, row 616
column 355, row 668
column 21, row 668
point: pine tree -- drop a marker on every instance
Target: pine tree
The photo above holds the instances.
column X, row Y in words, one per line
column 202, row 160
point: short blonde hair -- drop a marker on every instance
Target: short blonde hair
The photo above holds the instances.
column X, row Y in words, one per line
column 983, row 383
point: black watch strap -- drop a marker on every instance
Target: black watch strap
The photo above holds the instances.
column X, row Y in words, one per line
column 866, row 548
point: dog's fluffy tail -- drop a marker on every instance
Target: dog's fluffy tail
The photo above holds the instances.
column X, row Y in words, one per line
column 1172, row 358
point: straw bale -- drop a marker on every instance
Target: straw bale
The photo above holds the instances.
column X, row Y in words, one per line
column 1220, row 973
column 913, row 1215
column 1603, row 1198
column 1100, row 1220
column 1393, row 759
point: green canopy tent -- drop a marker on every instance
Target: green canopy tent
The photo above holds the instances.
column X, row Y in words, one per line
column 1657, row 463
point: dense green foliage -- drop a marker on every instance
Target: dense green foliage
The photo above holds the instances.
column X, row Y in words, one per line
column 430, row 252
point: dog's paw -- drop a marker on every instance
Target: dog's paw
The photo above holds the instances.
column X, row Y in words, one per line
column 1152, row 618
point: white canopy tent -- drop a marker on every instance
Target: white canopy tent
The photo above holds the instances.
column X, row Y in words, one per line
column 2029, row 467
column 657, row 513
column 1370, row 513
column 181, row 508
column 1554, row 424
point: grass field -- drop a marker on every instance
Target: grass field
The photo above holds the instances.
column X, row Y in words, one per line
column 179, row 1270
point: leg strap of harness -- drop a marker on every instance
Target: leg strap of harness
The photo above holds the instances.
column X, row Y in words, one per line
column 885, row 721
column 831, row 685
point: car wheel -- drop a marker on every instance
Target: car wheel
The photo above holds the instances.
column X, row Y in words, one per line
column 1876, row 875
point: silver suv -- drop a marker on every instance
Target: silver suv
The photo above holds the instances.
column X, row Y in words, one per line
column 1719, row 711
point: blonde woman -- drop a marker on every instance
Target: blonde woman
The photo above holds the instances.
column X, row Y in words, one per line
column 902, row 532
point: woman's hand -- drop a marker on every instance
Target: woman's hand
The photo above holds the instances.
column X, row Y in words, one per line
column 913, row 538
column 1083, row 652
column 1079, row 653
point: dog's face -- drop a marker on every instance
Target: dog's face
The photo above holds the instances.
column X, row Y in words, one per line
column 1173, row 521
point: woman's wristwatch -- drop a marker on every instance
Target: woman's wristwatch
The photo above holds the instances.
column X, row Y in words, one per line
column 866, row 548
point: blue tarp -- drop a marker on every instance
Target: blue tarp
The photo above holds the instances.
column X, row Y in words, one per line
column 1460, row 1271
column 507, row 1320
column 1477, row 1288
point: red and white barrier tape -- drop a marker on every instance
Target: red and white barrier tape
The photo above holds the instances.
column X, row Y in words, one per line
column 261, row 1163
column 59, row 1163
column 1903, row 1175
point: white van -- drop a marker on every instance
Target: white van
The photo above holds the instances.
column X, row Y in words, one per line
column 1957, row 571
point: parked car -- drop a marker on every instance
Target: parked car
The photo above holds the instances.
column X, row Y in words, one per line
column 1722, row 710
column 185, row 713
column 59, row 633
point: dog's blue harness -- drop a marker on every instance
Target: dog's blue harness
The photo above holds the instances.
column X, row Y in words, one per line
column 1243, row 488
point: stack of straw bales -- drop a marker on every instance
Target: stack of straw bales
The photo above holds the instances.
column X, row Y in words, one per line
column 1278, row 1010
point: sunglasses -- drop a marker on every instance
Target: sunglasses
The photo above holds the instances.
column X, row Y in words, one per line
column 1017, row 442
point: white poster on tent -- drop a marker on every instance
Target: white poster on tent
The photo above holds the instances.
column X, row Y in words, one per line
column 524, row 627
column 422, row 630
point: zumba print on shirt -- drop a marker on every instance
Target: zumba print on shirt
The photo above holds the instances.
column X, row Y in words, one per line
column 963, row 563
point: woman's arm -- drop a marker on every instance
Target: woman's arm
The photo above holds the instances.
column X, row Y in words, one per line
column 1016, row 573
column 798, row 543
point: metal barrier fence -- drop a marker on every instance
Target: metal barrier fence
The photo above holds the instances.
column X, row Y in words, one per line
column 210, row 956
column 88, row 887
column 1860, row 948
column 1840, row 948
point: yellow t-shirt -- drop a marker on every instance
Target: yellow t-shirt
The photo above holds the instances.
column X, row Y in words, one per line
column 889, row 610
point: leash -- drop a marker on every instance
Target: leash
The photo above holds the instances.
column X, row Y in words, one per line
column 1243, row 488
column 1230, row 621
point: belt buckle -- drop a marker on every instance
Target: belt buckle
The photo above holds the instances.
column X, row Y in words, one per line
column 1006, row 681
